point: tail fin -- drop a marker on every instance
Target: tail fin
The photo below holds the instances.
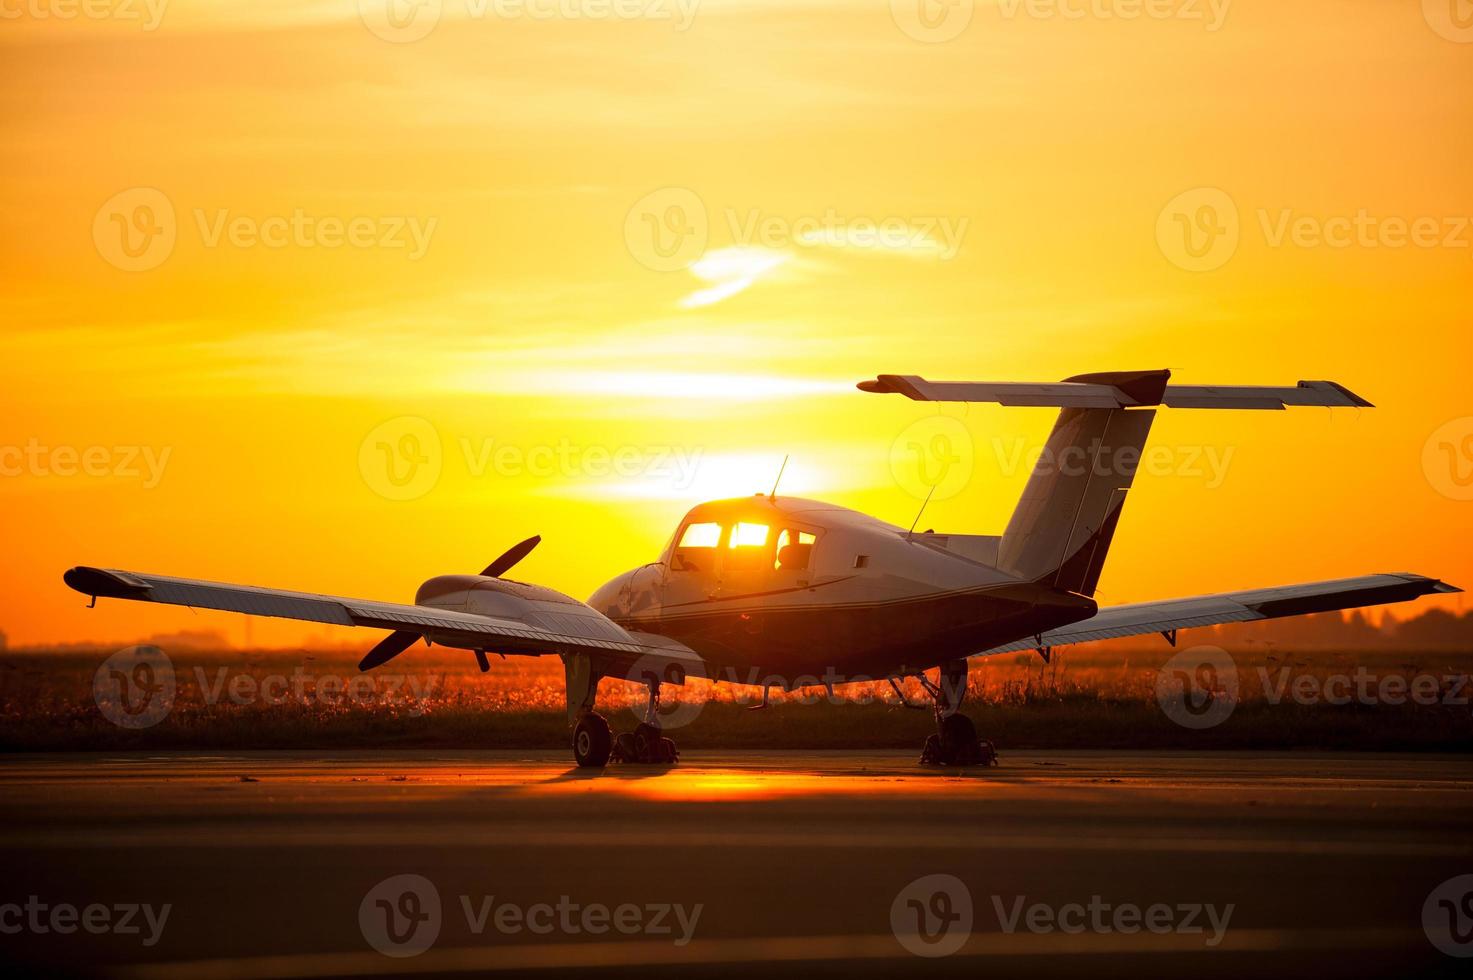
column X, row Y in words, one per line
column 1062, row 527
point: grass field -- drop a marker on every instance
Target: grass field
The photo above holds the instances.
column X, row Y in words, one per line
column 1088, row 697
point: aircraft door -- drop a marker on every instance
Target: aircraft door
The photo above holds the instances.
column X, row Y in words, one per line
column 762, row 558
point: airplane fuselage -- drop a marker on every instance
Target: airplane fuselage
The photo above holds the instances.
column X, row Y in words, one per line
column 784, row 590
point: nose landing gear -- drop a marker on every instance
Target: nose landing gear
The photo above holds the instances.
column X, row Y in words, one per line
column 955, row 742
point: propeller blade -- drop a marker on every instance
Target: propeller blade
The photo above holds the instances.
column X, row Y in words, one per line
column 388, row 648
column 511, row 556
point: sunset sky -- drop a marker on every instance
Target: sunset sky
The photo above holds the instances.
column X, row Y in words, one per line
column 294, row 296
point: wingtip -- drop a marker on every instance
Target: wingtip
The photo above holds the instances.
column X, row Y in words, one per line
column 1433, row 585
column 104, row 582
column 1352, row 399
column 898, row 384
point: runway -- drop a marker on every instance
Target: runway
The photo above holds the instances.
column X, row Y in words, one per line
column 270, row 864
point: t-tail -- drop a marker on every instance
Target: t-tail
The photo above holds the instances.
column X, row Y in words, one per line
column 1061, row 530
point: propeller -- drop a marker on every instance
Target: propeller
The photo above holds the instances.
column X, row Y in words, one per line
column 400, row 640
column 388, row 648
column 511, row 556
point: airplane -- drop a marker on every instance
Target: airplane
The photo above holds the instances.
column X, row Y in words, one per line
column 802, row 593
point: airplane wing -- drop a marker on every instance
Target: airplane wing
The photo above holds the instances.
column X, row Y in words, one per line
column 565, row 628
column 1169, row 615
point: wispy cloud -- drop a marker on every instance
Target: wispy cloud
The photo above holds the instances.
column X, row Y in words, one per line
column 731, row 270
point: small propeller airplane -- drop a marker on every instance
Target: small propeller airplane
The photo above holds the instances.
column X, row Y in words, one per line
column 802, row 593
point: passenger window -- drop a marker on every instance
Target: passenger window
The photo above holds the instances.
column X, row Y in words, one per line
column 794, row 549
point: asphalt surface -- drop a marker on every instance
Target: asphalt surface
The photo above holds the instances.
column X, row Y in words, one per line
column 271, row 864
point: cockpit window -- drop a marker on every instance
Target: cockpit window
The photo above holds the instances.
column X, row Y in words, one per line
column 701, row 535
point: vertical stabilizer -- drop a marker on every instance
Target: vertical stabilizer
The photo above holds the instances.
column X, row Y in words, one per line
column 1061, row 530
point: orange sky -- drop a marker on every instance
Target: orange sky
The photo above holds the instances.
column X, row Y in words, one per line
column 674, row 243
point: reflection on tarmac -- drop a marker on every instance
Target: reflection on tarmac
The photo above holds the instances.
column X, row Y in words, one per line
column 795, row 859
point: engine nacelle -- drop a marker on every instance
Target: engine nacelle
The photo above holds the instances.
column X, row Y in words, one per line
column 534, row 605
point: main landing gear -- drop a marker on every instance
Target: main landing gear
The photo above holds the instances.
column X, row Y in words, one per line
column 594, row 745
column 955, row 742
column 646, row 745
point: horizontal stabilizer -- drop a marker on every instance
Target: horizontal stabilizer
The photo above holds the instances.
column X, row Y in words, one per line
column 1087, row 392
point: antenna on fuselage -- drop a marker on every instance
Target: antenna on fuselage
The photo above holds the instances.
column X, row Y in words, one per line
column 773, row 496
column 920, row 512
